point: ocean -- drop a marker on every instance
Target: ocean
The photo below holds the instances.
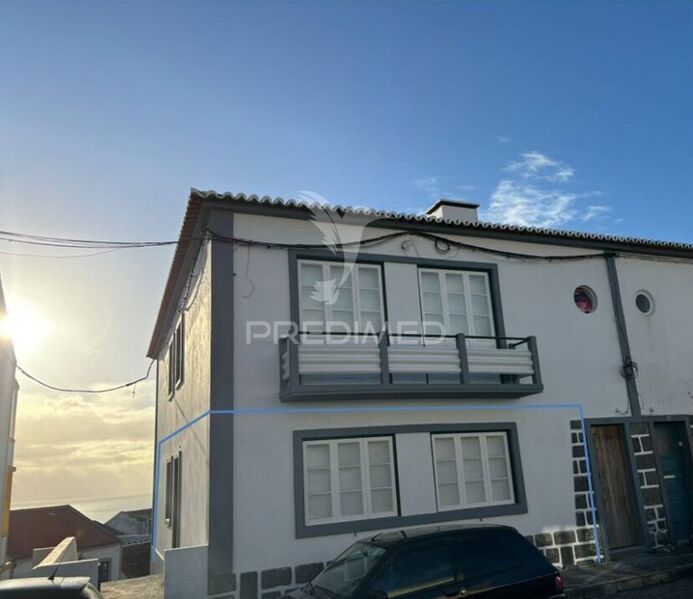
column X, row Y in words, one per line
column 100, row 509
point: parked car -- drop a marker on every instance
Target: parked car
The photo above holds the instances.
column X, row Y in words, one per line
column 482, row 561
column 49, row 588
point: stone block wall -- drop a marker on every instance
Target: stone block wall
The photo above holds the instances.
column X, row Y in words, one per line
column 650, row 489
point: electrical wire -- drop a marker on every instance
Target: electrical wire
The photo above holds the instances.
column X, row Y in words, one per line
column 93, row 391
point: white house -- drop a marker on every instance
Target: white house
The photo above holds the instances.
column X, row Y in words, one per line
column 460, row 361
column 8, row 412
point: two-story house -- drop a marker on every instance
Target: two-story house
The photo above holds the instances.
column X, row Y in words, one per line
column 328, row 373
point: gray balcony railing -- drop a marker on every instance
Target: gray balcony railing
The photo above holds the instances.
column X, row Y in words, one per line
column 367, row 366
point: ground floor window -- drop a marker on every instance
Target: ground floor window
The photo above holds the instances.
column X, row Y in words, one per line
column 472, row 469
column 347, row 479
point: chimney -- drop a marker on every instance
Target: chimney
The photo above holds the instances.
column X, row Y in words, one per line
column 454, row 210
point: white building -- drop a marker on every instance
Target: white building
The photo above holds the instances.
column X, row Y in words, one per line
column 312, row 443
column 8, row 412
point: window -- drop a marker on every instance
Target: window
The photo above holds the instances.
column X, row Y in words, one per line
column 332, row 293
column 585, row 299
column 644, row 302
column 172, row 501
column 472, row 469
column 415, row 570
column 176, row 359
column 454, row 302
column 341, row 576
column 348, row 479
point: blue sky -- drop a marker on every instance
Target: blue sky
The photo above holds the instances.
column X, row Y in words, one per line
column 570, row 114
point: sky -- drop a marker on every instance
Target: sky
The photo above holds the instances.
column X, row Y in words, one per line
column 573, row 115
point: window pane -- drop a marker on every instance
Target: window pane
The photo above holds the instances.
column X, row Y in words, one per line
column 485, row 553
column 381, row 501
column 349, row 454
column 480, row 305
column 477, row 284
column 380, row 476
column 448, row 495
column 482, row 326
column 430, row 282
column 318, row 481
column 369, row 278
column 319, row 506
column 417, row 569
column 370, row 300
column 310, row 274
column 495, row 445
column 497, row 468
column 456, row 304
column 471, row 447
column 458, row 324
column 350, row 478
column 317, row 456
column 351, row 503
column 447, row 471
column 476, row 493
column 445, row 449
column 500, row 490
column 433, row 303
column 454, row 283
column 379, row 452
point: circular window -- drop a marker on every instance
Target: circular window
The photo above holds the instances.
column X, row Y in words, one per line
column 644, row 302
column 585, row 299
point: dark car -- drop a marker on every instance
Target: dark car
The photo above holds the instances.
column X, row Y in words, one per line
column 49, row 588
column 484, row 561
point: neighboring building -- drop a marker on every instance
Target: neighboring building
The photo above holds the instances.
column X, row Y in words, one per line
column 8, row 412
column 132, row 524
column 401, row 429
column 44, row 527
column 134, row 529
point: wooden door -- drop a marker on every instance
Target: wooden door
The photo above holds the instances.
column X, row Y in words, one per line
column 620, row 517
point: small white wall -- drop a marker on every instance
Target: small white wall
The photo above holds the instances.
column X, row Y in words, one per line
column 111, row 552
column 185, row 573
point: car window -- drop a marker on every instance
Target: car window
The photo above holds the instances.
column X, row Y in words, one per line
column 345, row 573
column 481, row 554
column 415, row 569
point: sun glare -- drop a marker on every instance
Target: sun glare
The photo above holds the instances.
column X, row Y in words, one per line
column 25, row 326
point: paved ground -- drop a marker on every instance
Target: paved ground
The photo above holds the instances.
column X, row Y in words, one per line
column 681, row 589
column 148, row 587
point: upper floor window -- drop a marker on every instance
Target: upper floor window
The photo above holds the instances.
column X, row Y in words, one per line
column 334, row 296
column 472, row 469
column 349, row 479
column 454, row 301
column 176, row 358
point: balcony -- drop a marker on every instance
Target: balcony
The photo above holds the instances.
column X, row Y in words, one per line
column 389, row 366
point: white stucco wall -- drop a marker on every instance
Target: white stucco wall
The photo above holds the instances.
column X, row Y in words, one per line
column 188, row 402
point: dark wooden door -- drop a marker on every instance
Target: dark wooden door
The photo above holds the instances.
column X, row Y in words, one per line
column 675, row 462
column 620, row 520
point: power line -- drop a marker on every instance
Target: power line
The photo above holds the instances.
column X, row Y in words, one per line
column 93, row 391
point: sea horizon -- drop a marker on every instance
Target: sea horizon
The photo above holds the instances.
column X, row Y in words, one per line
column 100, row 509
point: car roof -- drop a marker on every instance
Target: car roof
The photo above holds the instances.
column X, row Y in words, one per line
column 399, row 537
column 57, row 585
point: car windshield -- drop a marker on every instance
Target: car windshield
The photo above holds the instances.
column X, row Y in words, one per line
column 344, row 574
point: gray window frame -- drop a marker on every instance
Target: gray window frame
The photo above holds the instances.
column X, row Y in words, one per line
column 353, row 526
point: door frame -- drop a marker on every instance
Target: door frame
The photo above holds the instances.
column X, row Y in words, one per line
column 686, row 421
column 631, row 471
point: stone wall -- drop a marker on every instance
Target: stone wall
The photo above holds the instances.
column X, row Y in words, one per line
column 648, row 479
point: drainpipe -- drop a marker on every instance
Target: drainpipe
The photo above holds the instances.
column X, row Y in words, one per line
column 629, row 369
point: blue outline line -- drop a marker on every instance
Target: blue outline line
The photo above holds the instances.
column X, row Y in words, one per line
column 372, row 410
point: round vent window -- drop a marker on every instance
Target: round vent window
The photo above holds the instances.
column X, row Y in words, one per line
column 644, row 302
column 585, row 299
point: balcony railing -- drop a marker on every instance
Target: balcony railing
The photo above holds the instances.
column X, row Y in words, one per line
column 367, row 366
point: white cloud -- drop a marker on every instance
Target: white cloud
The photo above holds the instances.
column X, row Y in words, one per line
column 503, row 139
column 436, row 187
column 535, row 165
column 535, row 194
column 595, row 212
column 526, row 205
